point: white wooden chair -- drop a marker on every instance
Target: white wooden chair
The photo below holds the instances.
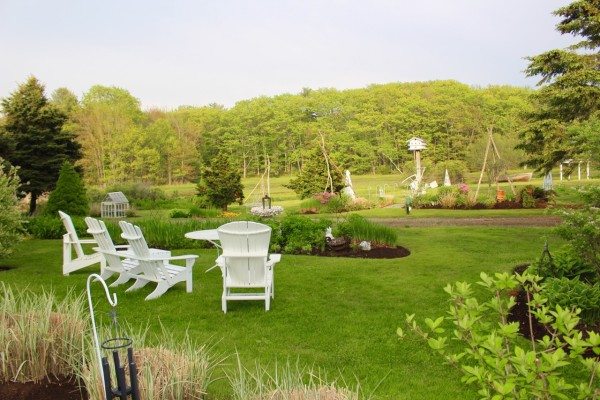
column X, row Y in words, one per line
column 245, row 262
column 117, row 257
column 156, row 268
column 72, row 243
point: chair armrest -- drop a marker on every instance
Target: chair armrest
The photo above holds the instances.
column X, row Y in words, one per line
column 87, row 241
column 164, row 258
column 273, row 259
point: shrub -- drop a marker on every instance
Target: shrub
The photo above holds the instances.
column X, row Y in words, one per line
column 574, row 294
column 493, row 359
column 221, row 183
column 207, row 212
column 565, row 263
column 582, row 230
column 297, row 234
column 11, row 224
column 179, row 214
column 47, row 227
column 449, row 199
column 69, row 195
column 313, row 176
column 591, row 195
column 358, row 228
column 142, row 196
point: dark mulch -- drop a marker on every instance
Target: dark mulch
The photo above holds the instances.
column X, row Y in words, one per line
column 5, row 267
column 501, row 205
column 375, row 252
column 55, row 388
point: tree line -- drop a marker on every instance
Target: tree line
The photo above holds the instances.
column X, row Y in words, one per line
column 366, row 129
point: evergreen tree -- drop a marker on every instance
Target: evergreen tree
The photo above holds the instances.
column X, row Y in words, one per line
column 10, row 215
column 313, row 178
column 40, row 146
column 221, row 183
column 570, row 92
column 69, row 195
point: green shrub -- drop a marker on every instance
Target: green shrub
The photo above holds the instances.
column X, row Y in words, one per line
column 46, row 227
column 581, row 228
column 179, row 214
column 476, row 337
column 69, row 195
column 572, row 294
column 591, row 195
column 358, row 228
column 295, row 234
column 143, row 196
column 565, row 263
column 11, row 224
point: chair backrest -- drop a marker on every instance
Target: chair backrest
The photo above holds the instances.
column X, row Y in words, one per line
column 97, row 229
column 139, row 247
column 73, row 238
column 245, row 247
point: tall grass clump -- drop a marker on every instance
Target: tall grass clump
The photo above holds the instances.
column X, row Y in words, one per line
column 358, row 228
column 167, row 234
column 173, row 370
column 286, row 382
column 39, row 335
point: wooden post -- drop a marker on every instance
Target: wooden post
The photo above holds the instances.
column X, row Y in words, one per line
column 418, row 165
column 560, row 170
column 579, row 171
column 487, row 150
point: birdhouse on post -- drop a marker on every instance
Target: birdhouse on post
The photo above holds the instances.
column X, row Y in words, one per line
column 415, row 145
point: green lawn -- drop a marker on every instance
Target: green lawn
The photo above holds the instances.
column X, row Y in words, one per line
column 339, row 315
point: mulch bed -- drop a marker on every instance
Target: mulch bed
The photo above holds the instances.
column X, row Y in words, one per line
column 55, row 388
column 5, row 268
column 501, row 205
column 375, row 252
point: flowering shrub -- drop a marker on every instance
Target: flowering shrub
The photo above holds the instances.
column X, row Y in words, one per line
column 463, row 188
column 229, row 214
column 266, row 212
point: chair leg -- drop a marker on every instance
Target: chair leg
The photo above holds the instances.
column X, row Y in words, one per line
column 139, row 283
column 188, row 284
column 123, row 277
column 106, row 274
column 224, row 303
column 267, row 299
column 161, row 288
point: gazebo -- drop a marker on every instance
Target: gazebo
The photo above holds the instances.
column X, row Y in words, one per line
column 115, row 205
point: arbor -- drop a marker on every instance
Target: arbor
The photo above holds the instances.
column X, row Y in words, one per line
column 69, row 195
column 40, row 145
column 221, row 183
column 570, row 91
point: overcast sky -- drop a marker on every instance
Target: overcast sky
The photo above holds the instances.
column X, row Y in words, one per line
column 172, row 53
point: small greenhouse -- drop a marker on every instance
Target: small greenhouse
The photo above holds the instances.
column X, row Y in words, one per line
column 115, row 205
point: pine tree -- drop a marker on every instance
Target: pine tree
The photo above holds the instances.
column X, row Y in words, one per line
column 39, row 145
column 69, row 195
column 568, row 102
column 313, row 177
column 221, row 183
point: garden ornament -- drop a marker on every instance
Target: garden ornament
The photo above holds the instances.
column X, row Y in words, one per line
column 122, row 391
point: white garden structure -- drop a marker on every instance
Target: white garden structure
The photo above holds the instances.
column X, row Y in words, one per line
column 115, row 205
column 245, row 262
column 72, row 243
column 153, row 267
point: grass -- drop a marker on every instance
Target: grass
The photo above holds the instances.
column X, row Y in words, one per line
column 339, row 315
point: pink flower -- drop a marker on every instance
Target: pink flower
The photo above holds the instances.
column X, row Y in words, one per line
column 463, row 188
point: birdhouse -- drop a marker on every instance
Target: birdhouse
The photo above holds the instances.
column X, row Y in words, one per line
column 415, row 144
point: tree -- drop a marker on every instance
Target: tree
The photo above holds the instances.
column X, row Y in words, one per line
column 69, row 195
column 570, row 90
column 221, row 183
column 313, row 177
column 10, row 215
column 40, row 146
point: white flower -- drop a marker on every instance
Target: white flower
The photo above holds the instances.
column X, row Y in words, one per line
column 266, row 212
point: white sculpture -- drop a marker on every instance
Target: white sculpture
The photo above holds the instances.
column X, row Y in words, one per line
column 329, row 233
column 447, row 179
column 348, row 190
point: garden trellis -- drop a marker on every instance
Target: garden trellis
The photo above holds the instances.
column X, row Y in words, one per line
column 115, row 205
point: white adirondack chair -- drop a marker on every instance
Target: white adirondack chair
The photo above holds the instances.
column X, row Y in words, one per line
column 156, row 268
column 72, row 243
column 117, row 258
column 245, row 262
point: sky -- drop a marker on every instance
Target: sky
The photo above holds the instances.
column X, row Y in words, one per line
column 173, row 53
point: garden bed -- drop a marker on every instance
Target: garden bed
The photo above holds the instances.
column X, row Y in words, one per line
column 375, row 252
column 55, row 388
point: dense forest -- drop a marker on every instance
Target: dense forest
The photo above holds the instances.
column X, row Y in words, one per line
column 365, row 129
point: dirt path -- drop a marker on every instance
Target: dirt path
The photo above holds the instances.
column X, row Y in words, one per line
column 480, row 221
